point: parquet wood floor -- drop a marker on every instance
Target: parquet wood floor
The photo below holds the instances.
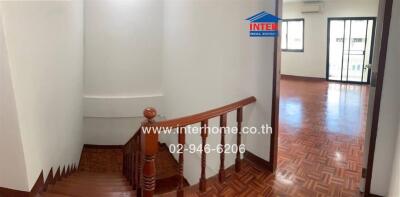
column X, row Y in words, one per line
column 320, row 145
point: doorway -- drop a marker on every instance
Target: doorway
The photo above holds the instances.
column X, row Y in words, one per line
column 349, row 51
column 376, row 74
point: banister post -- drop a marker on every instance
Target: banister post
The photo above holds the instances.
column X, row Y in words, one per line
column 138, row 164
column 222, row 123
column 204, row 134
column 150, row 147
column 181, row 141
column 239, row 119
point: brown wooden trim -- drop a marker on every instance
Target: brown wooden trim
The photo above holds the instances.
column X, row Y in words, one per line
column 11, row 192
column 373, row 195
column 36, row 189
column 378, row 92
column 63, row 172
column 196, row 118
column 275, row 93
column 364, row 173
column 39, row 185
column 302, row 78
column 57, row 176
column 263, row 164
column 49, row 179
column 95, row 146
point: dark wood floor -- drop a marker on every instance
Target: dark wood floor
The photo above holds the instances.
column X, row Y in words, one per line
column 320, row 145
column 321, row 137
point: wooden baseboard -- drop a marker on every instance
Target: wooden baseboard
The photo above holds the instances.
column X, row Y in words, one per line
column 40, row 185
column 95, row 146
column 264, row 164
column 301, row 78
column 12, row 192
column 373, row 195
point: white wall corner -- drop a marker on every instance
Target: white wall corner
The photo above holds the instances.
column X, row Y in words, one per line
column 120, row 106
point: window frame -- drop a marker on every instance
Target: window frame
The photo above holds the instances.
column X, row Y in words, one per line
column 287, row 33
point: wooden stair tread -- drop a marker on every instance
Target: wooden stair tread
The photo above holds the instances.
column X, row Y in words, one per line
column 93, row 187
column 49, row 194
column 88, row 184
column 78, row 192
column 98, row 183
column 97, row 180
column 99, row 175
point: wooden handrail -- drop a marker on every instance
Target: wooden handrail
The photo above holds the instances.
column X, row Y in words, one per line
column 196, row 118
column 141, row 149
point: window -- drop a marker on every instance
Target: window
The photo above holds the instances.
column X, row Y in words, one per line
column 293, row 35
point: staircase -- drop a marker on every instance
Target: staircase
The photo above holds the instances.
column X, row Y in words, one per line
column 85, row 184
column 148, row 168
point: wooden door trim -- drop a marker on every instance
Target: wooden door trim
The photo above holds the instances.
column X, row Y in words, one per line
column 378, row 92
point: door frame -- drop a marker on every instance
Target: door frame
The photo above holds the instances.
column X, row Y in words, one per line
column 328, row 46
column 273, row 151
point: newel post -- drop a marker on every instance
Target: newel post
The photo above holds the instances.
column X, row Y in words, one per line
column 150, row 147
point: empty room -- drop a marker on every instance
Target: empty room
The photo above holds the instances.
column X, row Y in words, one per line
column 105, row 98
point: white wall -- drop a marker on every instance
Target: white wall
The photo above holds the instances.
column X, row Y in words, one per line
column 389, row 115
column 45, row 48
column 312, row 62
column 394, row 189
column 123, row 60
column 210, row 61
column 12, row 167
column 109, row 131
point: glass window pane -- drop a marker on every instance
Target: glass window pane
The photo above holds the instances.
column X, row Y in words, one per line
column 357, row 50
column 336, row 41
column 295, row 35
column 368, row 49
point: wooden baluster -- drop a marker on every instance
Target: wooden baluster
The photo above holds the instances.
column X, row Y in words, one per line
column 150, row 146
column 204, row 134
column 139, row 156
column 181, row 140
column 126, row 163
column 123, row 161
column 129, row 163
column 133, row 171
column 239, row 119
column 222, row 124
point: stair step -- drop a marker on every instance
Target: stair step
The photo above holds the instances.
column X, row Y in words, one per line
column 92, row 187
column 49, row 194
column 78, row 192
column 99, row 179
column 98, row 183
column 98, row 174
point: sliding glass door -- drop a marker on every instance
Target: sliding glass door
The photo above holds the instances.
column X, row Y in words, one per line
column 350, row 43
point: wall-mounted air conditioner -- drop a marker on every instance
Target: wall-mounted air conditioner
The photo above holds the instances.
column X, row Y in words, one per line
column 311, row 8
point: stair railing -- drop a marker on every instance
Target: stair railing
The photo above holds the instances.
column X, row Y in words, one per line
column 140, row 151
column 148, row 141
column 131, row 165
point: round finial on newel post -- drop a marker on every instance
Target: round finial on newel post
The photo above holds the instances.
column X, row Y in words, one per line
column 149, row 113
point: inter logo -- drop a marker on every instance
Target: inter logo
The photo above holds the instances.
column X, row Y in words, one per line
column 263, row 24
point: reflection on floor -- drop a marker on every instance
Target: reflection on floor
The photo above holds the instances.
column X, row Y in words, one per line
column 320, row 146
column 321, row 137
